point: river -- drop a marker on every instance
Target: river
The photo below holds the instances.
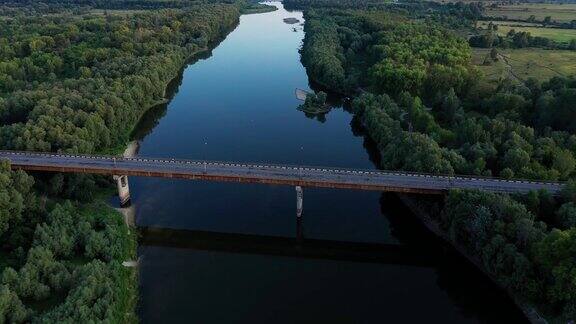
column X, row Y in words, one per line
column 237, row 103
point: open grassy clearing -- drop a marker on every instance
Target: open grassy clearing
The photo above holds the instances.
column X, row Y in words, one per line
column 485, row 23
column 521, row 64
column 558, row 12
column 557, row 34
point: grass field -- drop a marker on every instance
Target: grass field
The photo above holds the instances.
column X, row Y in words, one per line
column 558, row 12
column 520, row 64
column 557, row 34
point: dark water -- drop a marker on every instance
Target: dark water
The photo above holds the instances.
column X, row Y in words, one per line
column 238, row 104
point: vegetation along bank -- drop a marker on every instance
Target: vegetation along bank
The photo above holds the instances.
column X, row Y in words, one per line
column 76, row 77
column 429, row 108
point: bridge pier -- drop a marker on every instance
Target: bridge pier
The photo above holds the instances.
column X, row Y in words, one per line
column 299, row 230
column 123, row 189
column 299, row 198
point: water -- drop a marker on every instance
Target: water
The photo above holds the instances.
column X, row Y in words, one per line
column 238, row 104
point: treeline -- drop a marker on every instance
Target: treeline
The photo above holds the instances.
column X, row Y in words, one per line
column 514, row 39
column 469, row 10
column 61, row 262
column 347, row 50
column 58, row 5
column 421, row 100
column 342, row 4
column 454, row 14
column 80, row 83
column 421, row 91
column 513, row 243
column 73, row 82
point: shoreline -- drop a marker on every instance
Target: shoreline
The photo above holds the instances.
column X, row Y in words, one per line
column 130, row 149
column 531, row 313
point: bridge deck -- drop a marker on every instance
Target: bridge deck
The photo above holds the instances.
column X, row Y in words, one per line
column 268, row 174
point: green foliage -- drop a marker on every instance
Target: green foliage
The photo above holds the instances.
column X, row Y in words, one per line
column 15, row 194
column 345, row 50
column 315, row 103
column 555, row 255
column 75, row 80
column 401, row 149
column 64, row 239
column 321, row 53
column 80, row 83
column 446, row 124
column 566, row 216
column 516, row 249
column 11, row 308
column 420, row 102
column 95, row 297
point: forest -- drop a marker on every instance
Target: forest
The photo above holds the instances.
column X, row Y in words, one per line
column 80, row 83
column 60, row 260
column 417, row 95
column 77, row 79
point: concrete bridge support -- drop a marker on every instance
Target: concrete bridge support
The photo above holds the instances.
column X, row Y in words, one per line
column 123, row 190
column 299, row 198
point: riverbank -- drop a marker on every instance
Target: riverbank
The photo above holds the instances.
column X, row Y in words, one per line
column 433, row 226
column 239, row 105
column 257, row 8
column 129, row 274
column 131, row 146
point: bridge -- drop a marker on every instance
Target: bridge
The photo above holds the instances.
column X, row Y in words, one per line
column 297, row 176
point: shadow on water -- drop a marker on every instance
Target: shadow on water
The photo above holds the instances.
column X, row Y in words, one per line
column 465, row 285
column 454, row 271
column 213, row 277
column 296, row 247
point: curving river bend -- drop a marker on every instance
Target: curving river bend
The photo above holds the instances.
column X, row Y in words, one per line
column 237, row 103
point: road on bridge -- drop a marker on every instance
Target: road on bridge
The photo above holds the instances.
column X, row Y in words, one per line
column 269, row 174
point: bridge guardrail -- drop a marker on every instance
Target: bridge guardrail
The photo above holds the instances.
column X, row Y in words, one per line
column 288, row 166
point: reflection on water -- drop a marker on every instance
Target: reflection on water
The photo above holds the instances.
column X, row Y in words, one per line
column 231, row 253
column 152, row 116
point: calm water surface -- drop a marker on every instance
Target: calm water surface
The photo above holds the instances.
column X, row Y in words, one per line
column 238, row 104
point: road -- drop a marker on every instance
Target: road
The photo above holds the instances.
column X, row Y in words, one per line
column 322, row 177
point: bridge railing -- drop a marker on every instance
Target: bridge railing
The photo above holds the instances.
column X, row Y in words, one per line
column 285, row 166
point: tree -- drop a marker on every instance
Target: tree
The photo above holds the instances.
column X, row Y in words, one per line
column 566, row 216
column 494, row 54
column 11, row 308
column 555, row 255
column 451, row 109
column 15, row 189
column 564, row 162
column 516, row 159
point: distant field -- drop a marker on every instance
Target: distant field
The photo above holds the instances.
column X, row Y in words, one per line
column 483, row 24
column 558, row 12
column 485, row 2
column 528, row 62
column 557, row 34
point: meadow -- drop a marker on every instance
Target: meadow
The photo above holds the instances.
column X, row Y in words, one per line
column 521, row 64
column 556, row 34
column 558, row 12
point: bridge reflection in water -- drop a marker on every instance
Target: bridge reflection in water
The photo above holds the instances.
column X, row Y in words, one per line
column 284, row 246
